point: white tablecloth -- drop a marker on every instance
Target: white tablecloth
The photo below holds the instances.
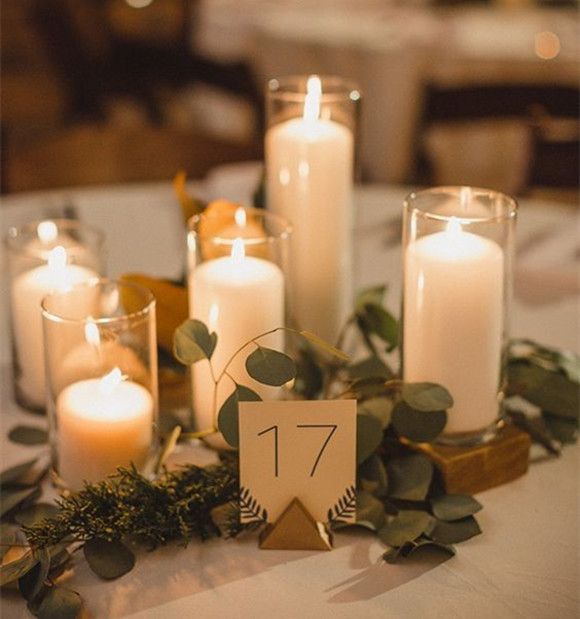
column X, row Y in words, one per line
column 524, row 565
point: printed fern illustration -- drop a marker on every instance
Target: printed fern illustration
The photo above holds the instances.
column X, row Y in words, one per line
column 344, row 509
column 250, row 509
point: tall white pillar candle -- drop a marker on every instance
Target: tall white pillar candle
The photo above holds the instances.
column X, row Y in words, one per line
column 453, row 321
column 239, row 297
column 103, row 423
column 309, row 180
column 28, row 290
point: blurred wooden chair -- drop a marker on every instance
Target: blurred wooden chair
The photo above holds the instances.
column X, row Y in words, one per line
column 92, row 154
column 508, row 137
column 96, row 61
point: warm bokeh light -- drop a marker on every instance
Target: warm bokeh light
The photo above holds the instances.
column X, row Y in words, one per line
column 138, row 4
column 547, row 45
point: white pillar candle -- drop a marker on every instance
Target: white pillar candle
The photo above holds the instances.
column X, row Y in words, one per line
column 453, row 321
column 103, row 423
column 28, row 290
column 239, row 297
column 309, row 175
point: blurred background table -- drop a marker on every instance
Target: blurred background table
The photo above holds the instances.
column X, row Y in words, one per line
column 524, row 564
column 107, row 91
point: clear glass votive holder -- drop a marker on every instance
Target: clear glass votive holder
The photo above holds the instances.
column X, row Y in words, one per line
column 238, row 287
column 458, row 246
column 101, row 366
column 310, row 150
column 44, row 256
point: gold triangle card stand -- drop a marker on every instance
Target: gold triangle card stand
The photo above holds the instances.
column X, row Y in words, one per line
column 296, row 529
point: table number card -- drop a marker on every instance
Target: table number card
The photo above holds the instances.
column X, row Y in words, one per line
column 303, row 450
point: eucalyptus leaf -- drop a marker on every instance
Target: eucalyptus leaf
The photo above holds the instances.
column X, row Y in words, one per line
column 373, row 295
column 426, row 396
column 32, row 514
column 370, row 512
column 270, row 367
column 454, row 506
column 15, row 473
column 373, row 473
column 309, row 378
column 108, row 559
column 192, row 342
column 369, row 433
column 393, row 554
column 329, row 348
column 553, row 393
column 405, row 527
column 14, row 570
column 409, row 477
column 371, row 367
column 60, row 603
column 28, row 435
column 12, row 498
column 380, row 322
column 381, row 408
column 563, row 430
column 418, row 426
column 31, row 583
column 456, row 531
column 368, row 388
column 229, row 413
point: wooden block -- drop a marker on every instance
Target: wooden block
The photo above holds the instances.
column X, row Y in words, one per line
column 468, row 470
column 296, row 529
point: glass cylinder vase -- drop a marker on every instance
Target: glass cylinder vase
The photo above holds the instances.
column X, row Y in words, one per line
column 458, row 245
column 44, row 256
column 101, row 365
column 310, row 147
column 238, row 287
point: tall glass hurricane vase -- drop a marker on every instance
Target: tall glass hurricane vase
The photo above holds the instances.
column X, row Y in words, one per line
column 310, row 150
column 458, row 247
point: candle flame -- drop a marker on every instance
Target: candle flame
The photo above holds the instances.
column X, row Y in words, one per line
column 92, row 335
column 57, row 258
column 238, row 250
column 454, row 226
column 47, row 231
column 241, row 217
column 312, row 99
column 111, row 381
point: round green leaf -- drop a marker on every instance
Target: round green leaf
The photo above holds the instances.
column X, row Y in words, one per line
column 381, row 408
column 381, row 323
column 370, row 296
column 454, row 506
column 405, row 527
column 35, row 513
column 60, row 603
column 13, row 474
column 373, row 475
column 107, row 559
column 455, row 532
column 426, row 396
column 28, row 435
column 229, row 412
column 11, row 499
column 369, row 433
column 370, row 367
column 409, row 477
column 418, row 426
column 270, row 367
column 9, row 572
column 192, row 342
column 370, row 512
